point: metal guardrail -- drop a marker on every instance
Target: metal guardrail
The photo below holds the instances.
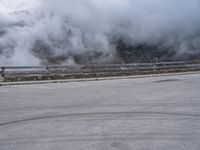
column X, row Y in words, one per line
column 93, row 68
column 52, row 69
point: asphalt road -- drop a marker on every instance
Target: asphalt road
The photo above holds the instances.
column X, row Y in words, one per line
column 151, row 113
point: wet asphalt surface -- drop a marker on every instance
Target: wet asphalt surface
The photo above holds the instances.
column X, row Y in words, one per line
column 126, row 114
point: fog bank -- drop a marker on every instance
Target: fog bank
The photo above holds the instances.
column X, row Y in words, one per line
column 34, row 32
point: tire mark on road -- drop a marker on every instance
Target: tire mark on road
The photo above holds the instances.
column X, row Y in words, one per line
column 100, row 113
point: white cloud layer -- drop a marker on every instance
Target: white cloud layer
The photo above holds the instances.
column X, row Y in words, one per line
column 30, row 29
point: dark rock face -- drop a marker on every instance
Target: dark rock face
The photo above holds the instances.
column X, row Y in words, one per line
column 88, row 58
column 144, row 53
column 125, row 53
column 45, row 53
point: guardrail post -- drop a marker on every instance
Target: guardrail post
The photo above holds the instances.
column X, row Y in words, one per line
column 121, row 67
column 47, row 69
column 2, row 74
column 154, row 67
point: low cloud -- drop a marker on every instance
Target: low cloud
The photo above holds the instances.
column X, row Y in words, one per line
column 34, row 32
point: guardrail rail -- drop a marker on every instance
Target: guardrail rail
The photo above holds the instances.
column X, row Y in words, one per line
column 24, row 73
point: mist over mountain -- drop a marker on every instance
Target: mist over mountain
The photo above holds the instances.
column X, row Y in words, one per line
column 35, row 32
